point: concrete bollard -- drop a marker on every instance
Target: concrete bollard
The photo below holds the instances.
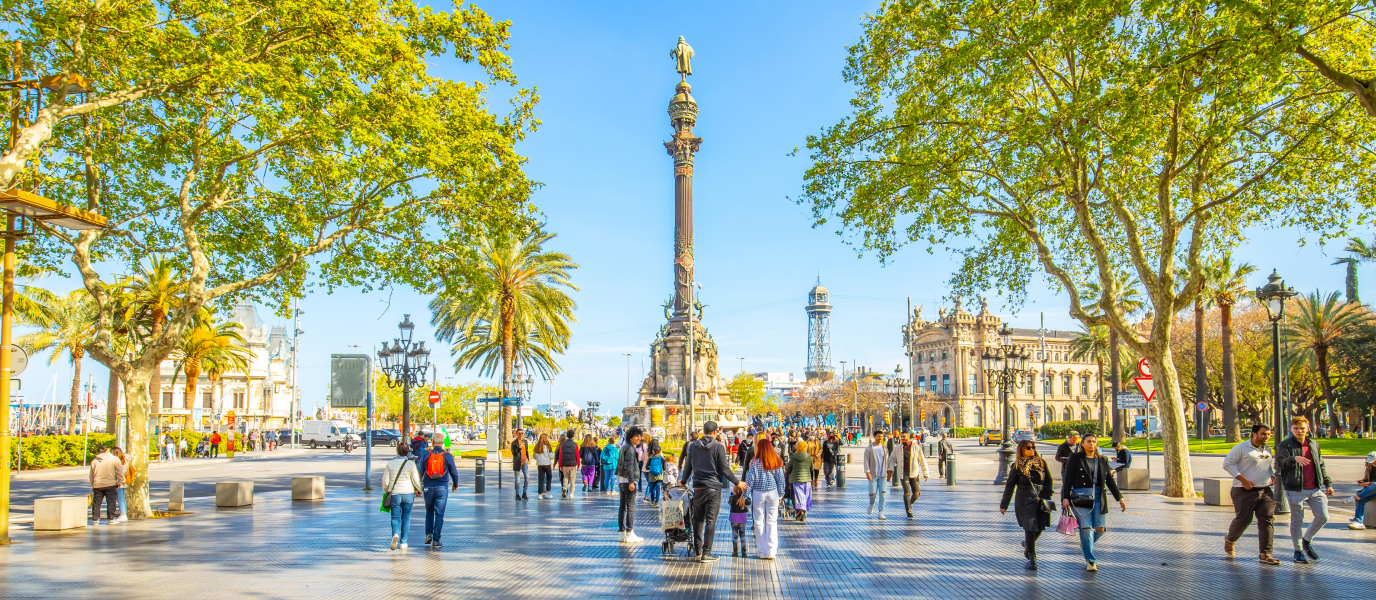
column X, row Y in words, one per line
column 308, row 488
column 234, row 493
column 479, row 476
column 841, row 473
column 176, row 497
column 951, row 470
column 62, row 512
column 1218, row 491
column 1133, row 479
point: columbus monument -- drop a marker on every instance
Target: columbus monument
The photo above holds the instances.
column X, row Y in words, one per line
column 684, row 385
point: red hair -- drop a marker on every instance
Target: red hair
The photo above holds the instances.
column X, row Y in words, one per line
column 764, row 450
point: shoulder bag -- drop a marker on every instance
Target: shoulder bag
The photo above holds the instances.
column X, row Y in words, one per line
column 387, row 496
column 1044, row 505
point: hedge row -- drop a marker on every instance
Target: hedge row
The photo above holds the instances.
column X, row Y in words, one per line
column 47, row 451
column 1060, row 429
column 967, row 432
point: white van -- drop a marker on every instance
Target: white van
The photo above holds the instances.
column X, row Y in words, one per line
column 330, row 434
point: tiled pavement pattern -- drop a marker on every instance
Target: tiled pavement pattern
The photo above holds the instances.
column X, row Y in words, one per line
column 959, row 547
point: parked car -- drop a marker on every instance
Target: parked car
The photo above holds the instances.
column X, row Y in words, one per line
column 284, row 437
column 1024, row 434
column 990, row 436
column 386, row 437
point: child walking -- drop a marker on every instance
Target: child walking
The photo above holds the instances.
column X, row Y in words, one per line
column 739, row 515
column 654, row 470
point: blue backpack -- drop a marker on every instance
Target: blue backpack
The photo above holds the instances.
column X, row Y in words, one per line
column 656, row 466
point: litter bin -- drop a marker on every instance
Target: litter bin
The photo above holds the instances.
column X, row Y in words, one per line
column 480, row 465
column 841, row 471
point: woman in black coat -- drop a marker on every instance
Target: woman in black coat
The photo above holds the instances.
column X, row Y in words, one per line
column 1086, row 474
column 1031, row 479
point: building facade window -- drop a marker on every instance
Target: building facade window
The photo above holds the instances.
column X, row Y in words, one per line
column 1067, row 415
column 945, row 384
column 207, row 400
column 1046, row 385
column 922, row 383
column 1084, row 414
column 973, row 387
column 239, row 401
column 167, row 399
column 1065, row 385
column 943, row 355
column 1084, row 386
column 979, row 417
column 1029, row 387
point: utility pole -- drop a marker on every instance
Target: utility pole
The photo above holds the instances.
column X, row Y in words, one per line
column 295, row 392
column 1041, row 339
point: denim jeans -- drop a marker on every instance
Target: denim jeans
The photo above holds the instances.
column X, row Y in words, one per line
column 1089, row 519
column 521, row 477
column 625, row 515
column 436, row 497
column 654, row 490
column 1362, row 497
column 401, row 514
column 879, row 487
column 123, row 509
column 608, row 477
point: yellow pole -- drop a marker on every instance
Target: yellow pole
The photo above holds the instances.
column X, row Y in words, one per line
column 5, row 316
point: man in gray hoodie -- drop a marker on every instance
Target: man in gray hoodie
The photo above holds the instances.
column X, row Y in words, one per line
column 106, row 473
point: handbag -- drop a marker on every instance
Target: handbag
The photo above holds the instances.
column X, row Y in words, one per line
column 387, row 496
column 1081, row 500
column 1044, row 505
column 1067, row 524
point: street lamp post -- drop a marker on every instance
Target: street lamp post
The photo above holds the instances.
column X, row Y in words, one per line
column 1005, row 367
column 404, row 364
column 1273, row 296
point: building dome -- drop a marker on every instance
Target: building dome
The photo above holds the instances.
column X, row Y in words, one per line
column 818, row 290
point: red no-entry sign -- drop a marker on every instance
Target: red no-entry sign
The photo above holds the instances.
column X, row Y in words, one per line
column 434, row 397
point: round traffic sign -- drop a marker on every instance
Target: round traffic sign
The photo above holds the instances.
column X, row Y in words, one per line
column 1202, row 406
column 1143, row 368
column 434, row 397
column 19, row 360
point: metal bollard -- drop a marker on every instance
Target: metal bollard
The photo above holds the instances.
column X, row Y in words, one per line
column 951, row 469
column 841, row 472
column 479, row 480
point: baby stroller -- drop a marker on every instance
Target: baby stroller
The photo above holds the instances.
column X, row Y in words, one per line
column 674, row 517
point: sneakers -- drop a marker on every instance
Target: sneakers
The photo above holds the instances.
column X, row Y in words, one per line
column 621, row 537
column 1229, row 547
column 882, row 517
column 1299, row 558
column 437, row 545
column 632, row 538
column 708, row 557
column 122, row 519
column 1091, row 567
column 1356, row 525
column 1267, row 559
column 1349, row 499
column 403, row 546
column 396, row 538
column 871, row 511
column 427, row 539
column 1309, row 550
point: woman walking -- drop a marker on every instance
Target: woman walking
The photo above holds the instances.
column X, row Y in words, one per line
column 799, row 471
column 610, row 454
column 588, row 456
column 544, row 466
column 764, row 481
column 1031, row 479
column 814, row 449
column 1082, row 491
column 403, row 485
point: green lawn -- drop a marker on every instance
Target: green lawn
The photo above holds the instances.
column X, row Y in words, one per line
column 1344, row 447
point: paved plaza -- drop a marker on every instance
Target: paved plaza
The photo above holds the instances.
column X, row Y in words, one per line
column 958, row 547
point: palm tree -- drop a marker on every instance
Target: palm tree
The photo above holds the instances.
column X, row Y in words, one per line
column 220, row 343
column 1361, row 252
column 1223, row 285
column 1093, row 343
column 1130, row 302
column 518, row 295
column 68, row 325
column 1314, row 329
column 149, row 298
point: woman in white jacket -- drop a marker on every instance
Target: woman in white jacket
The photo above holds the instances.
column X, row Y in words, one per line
column 544, row 464
column 402, row 485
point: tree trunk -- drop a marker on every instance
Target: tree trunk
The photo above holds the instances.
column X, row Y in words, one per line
column 1322, row 354
column 1231, row 428
column 508, row 315
column 1174, row 443
column 1112, row 403
column 1118, row 433
column 112, row 404
column 1352, row 282
column 1201, row 377
column 189, row 396
column 75, row 410
column 137, row 402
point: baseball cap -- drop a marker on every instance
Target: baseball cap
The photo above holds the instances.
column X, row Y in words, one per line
column 1371, row 458
column 709, row 427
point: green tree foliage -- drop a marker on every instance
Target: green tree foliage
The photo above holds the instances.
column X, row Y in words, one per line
column 1356, row 362
column 1092, row 343
column 749, row 392
column 1077, row 140
column 261, row 144
column 1224, row 284
column 458, row 403
column 66, row 325
column 516, row 303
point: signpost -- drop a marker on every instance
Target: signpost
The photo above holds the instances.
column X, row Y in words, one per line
column 434, row 398
column 351, row 386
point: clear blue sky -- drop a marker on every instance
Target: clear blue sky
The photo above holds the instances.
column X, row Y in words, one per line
column 766, row 75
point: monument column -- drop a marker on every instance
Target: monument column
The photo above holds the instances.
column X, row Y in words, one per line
column 683, row 115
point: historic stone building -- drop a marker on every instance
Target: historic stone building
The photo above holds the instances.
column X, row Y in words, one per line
column 944, row 361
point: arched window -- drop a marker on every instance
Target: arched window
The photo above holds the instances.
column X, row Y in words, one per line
column 1084, row 414
column 946, row 420
column 979, row 417
column 1067, row 415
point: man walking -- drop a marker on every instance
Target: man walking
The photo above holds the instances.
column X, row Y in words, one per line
column 831, row 453
column 908, row 462
column 107, row 471
column 707, row 466
column 1305, row 479
column 568, row 463
column 1254, row 470
column 627, row 475
column 1068, row 447
column 944, row 450
column 877, row 469
column 214, row 444
column 520, row 459
column 440, row 476
column 745, row 453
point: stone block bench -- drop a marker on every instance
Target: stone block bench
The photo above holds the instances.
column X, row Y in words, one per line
column 1133, row 479
column 1218, row 491
column 308, row 488
column 61, row 512
column 234, row 493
